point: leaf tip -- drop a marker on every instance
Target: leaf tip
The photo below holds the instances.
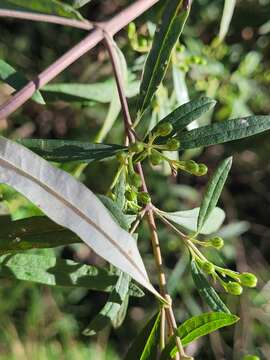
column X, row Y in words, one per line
column 187, row 4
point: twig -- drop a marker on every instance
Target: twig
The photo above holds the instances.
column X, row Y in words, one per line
column 120, row 84
column 112, row 26
column 138, row 221
column 27, row 15
column 162, row 329
column 150, row 214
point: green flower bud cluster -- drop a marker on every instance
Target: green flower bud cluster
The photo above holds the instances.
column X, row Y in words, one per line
column 234, row 286
column 164, row 129
column 195, row 169
column 242, row 280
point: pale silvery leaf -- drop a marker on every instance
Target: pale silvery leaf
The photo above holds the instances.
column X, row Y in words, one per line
column 72, row 205
column 188, row 219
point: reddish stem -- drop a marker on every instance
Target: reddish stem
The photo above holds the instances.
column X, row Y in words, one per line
column 117, row 23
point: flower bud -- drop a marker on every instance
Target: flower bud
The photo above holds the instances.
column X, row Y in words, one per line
column 131, row 195
column 248, row 280
column 136, row 147
column 202, row 170
column 144, row 198
column 208, row 267
column 234, row 288
column 192, row 166
column 155, row 159
column 251, row 357
column 173, row 144
column 217, row 242
column 135, row 180
column 164, row 129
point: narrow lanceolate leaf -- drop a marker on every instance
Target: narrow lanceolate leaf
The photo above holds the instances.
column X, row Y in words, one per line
column 70, row 150
column 145, row 346
column 38, row 232
column 213, row 192
column 186, row 113
column 172, row 23
column 52, row 7
column 102, row 92
column 16, row 80
column 225, row 131
column 70, row 204
column 206, row 291
column 196, row 327
column 188, row 219
column 108, row 315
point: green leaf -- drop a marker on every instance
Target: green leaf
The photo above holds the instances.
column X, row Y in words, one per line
column 80, row 3
column 16, row 80
column 70, row 150
column 145, row 345
column 72, row 205
column 227, row 15
column 213, row 192
column 120, row 189
column 167, row 34
column 186, row 113
column 115, row 210
column 49, row 270
column 103, row 92
column 225, row 131
column 196, row 327
column 206, row 291
column 189, row 218
column 52, row 7
column 174, row 284
column 180, row 85
column 33, row 233
column 110, row 312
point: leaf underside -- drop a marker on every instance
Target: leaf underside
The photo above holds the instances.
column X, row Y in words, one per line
column 70, row 204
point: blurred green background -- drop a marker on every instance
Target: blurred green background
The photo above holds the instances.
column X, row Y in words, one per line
column 38, row 322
